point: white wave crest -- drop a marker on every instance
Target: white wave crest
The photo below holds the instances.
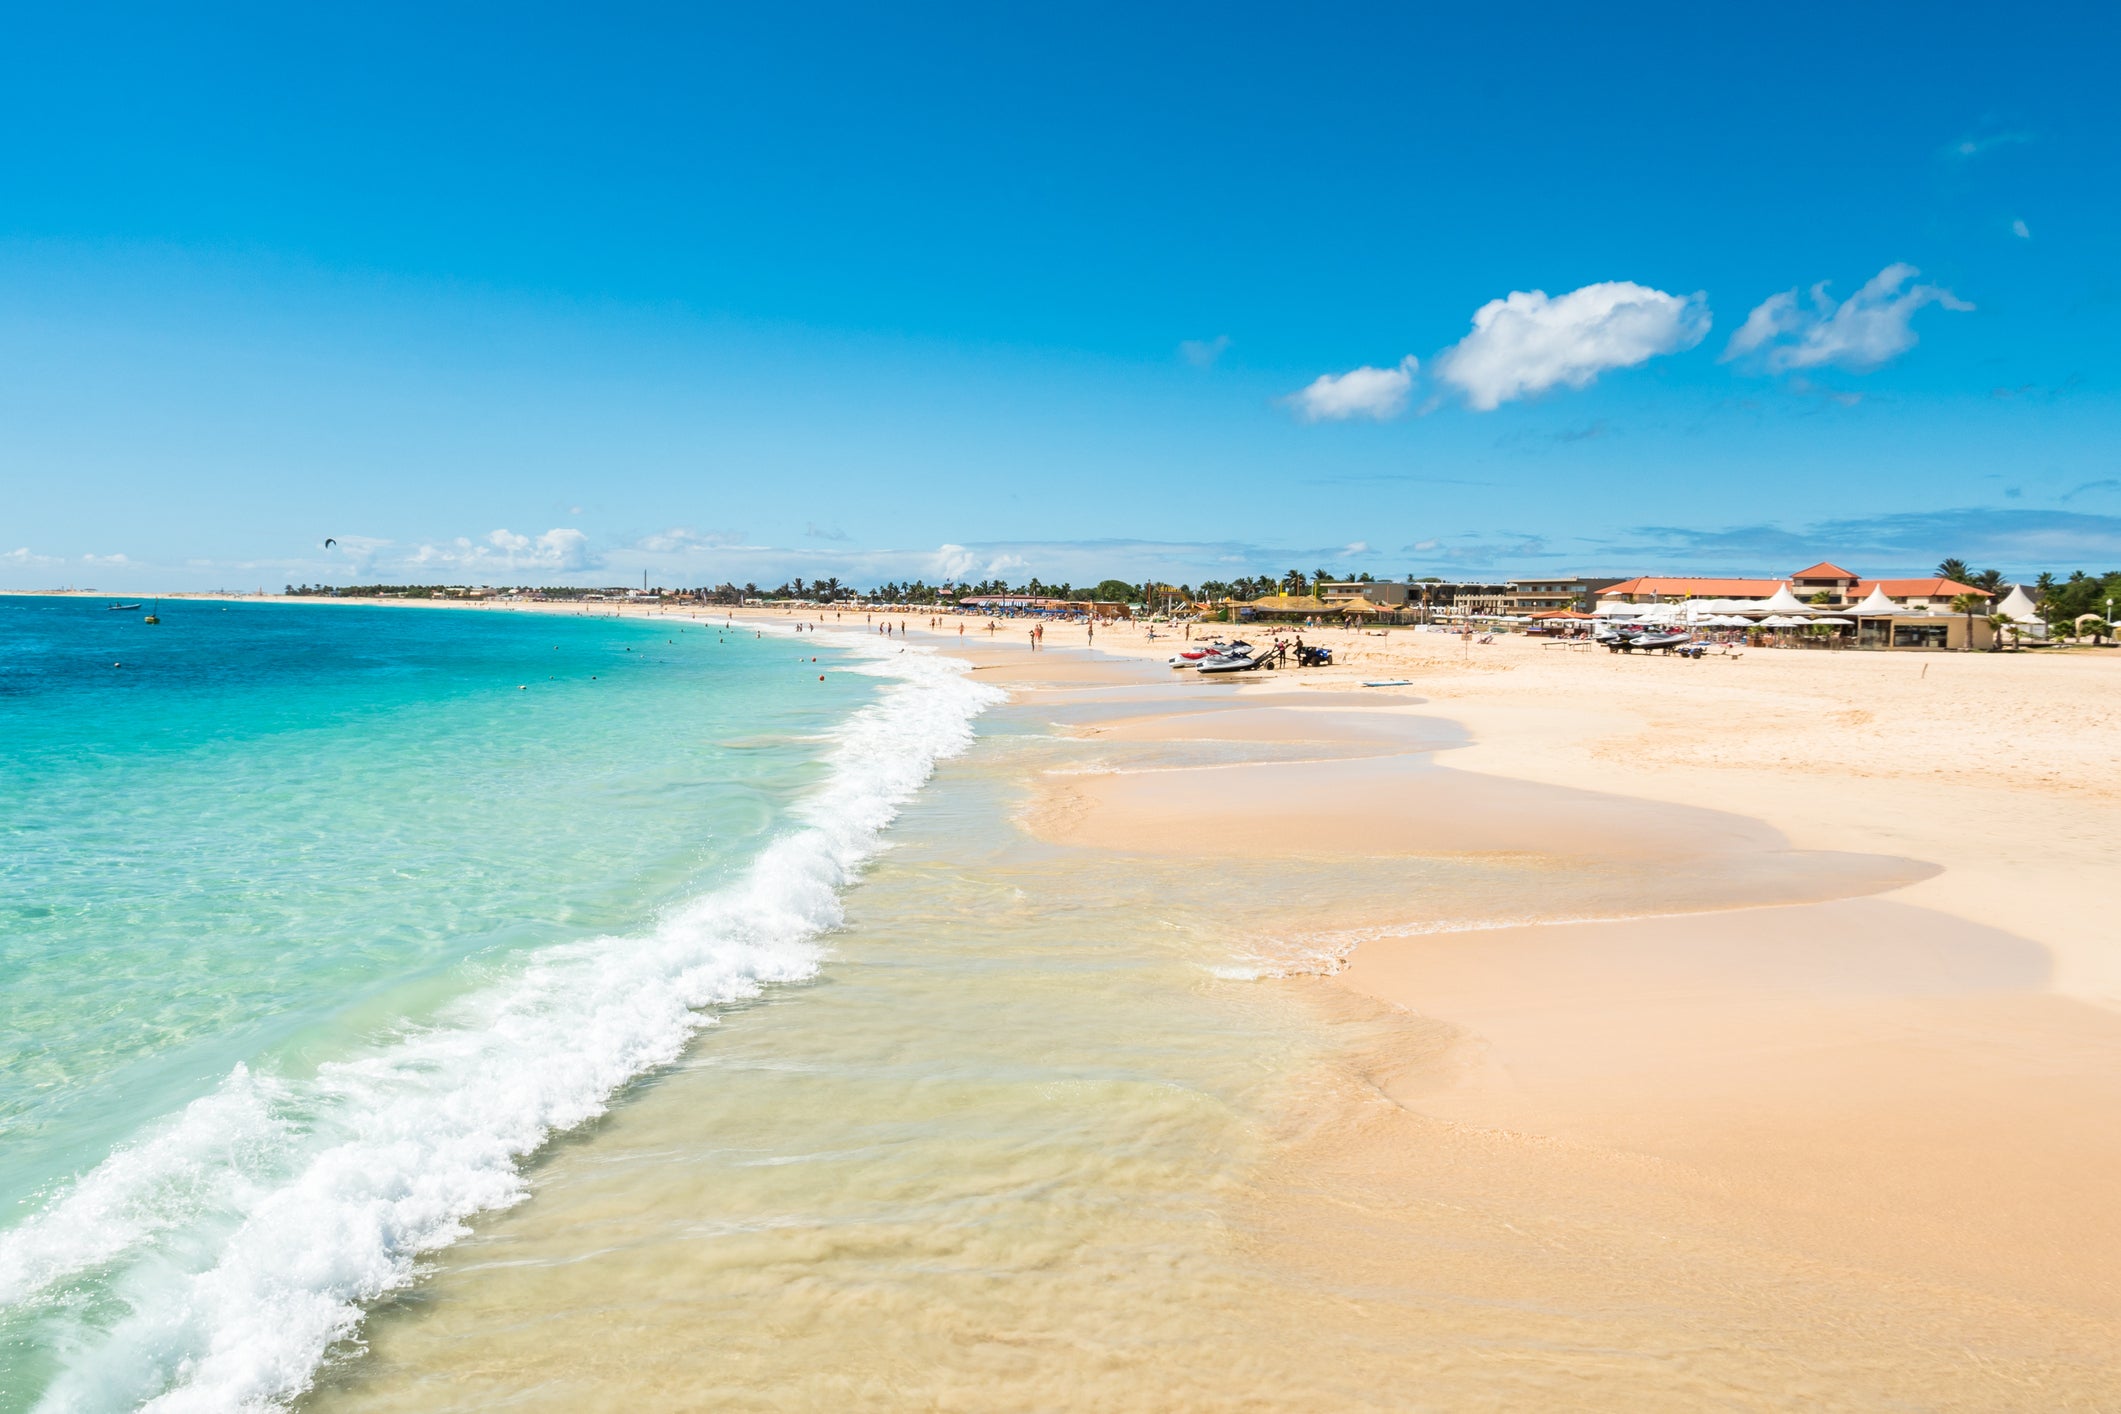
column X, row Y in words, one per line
column 246, row 1238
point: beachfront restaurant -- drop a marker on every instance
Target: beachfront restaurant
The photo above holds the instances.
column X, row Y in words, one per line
column 1840, row 609
column 1016, row 606
column 1781, row 620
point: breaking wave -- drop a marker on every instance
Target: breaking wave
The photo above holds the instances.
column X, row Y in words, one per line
column 246, row 1237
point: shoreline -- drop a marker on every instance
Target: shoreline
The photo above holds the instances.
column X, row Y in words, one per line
column 1838, row 1111
column 1913, row 1077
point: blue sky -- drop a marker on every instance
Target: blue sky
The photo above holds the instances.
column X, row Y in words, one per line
column 506, row 294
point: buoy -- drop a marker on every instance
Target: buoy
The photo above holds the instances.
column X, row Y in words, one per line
column 520, row 687
column 820, row 677
column 117, row 665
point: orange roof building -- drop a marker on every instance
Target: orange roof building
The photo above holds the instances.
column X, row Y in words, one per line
column 1839, row 585
column 1825, row 570
column 1937, row 590
column 1687, row 586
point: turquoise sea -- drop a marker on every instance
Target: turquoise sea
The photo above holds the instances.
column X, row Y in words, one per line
column 315, row 920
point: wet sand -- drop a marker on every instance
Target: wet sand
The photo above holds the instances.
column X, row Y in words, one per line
column 1549, row 1034
column 1866, row 1114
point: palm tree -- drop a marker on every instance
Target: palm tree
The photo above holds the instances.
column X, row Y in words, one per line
column 1954, row 568
column 1293, row 582
column 1966, row 604
column 1997, row 624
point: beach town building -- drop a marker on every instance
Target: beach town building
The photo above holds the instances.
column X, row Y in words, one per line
column 1836, row 583
column 1041, row 606
column 1841, row 588
column 1384, row 593
column 1457, row 598
column 1534, row 596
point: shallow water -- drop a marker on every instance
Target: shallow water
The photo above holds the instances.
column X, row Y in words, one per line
column 318, row 918
column 1005, row 1152
column 983, row 1122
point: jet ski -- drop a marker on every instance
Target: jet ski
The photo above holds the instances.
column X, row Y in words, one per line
column 1239, row 660
column 1193, row 657
column 1648, row 641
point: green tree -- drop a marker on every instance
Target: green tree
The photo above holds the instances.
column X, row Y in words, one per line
column 1966, row 604
column 1954, row 568
column 1113, row 591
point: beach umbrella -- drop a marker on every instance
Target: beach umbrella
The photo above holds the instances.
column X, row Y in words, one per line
column 1830, row 619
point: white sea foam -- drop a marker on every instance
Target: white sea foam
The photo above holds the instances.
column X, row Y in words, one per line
column 246, row 1237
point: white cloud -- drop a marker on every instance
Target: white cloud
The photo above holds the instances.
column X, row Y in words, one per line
column 559, row 549
column 1202, row 353
column 1860, row 333
column 952, row 563
column 681, row 538
column 813, row 531
column 562, row 549
column 1377, row 393
column 1528, row 343
column 23, row 555
column 1356, row 547
column 2022, row 231
column 105, row 560
column 1976, row 146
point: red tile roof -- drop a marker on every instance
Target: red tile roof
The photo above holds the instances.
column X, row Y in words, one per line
column 1919, row 589
column 1673, row 586
column 1825, row 569
column 1686, row 586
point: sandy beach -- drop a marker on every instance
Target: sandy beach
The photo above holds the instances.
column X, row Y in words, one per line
column 1741, row 1033
column 1871, row 1082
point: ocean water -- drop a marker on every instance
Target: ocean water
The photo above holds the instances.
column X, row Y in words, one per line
column 438, row 1010
column 316, row 921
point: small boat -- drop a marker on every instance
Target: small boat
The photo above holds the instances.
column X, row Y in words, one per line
column 1241, row 661
column 1193, row 657
column 114, row 608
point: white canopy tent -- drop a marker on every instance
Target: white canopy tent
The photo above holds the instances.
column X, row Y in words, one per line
column 2018, row 607
column 1875, row 604
column 1783, row 602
